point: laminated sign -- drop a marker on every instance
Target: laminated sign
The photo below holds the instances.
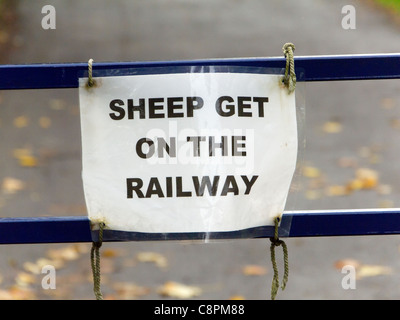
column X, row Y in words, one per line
column 187, row 152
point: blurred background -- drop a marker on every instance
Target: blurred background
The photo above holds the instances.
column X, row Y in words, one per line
column 350, row 161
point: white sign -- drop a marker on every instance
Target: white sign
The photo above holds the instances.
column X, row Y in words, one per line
column 189, row 152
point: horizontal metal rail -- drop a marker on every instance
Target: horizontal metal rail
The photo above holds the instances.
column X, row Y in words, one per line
column 308, row 68
column 294, row 224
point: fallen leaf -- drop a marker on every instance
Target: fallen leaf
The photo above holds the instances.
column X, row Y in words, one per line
column 25, row 157
column 311, row 172
column 364, row 270
column 21, row 122
column 12, row 185
column 336, row 190
column 56, row 263
column 25, row 279
column 364, row 179
column 28, row 161
column 332, row 127
column 32, row 267
column 82, row 248
column 130, row 290
column 355, row 184
column 178, row 290
column 372, row 271
column 154, row 257
column 36, row 267
column 237, row 297
column 395, row 123
column 17, row 292
column 347, row 262
column 254, row 270
column 44, row 122
column 111, row 253
column 21, row 293
column 388, row 103
column 312, row 194
column 368, row 177
column 67, row 253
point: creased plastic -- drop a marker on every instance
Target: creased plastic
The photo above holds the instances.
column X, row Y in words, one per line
column 207, row 150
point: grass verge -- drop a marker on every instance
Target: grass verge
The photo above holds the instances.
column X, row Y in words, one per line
column 393, row 6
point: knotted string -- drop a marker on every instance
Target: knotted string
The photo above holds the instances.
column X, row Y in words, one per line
column 90, row 82
column 276, row 242
column 95, row 262
column 290, row 76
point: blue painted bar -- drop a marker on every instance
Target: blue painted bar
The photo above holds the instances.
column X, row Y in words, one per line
column 326, row 223
column 294, row 224
column 44, row 230
column 308, row 68
column 345, row 223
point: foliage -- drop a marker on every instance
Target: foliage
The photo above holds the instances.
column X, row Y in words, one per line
column 392, row 5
